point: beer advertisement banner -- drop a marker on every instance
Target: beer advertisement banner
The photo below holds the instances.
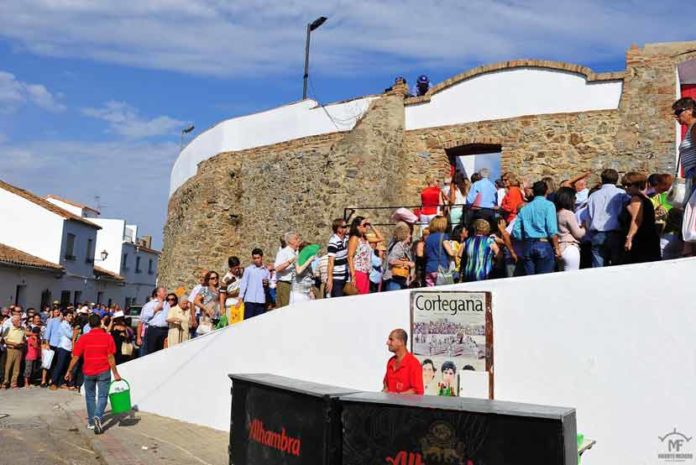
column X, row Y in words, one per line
column 274, row 427
column 408, row 435
column 452, row 337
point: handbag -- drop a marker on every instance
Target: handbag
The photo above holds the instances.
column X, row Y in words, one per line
column 350, row 289
column 680, row 191
column 444, row 276
column 399, row 271
column 46, row 358
column 127, row 348
column 689, row 221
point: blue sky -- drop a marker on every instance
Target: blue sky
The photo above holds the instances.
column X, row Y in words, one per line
column 93, row 93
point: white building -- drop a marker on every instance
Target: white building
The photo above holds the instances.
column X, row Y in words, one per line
column 55, row 249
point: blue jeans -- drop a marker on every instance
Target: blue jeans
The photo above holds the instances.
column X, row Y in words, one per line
column 62, row 357
column 252, row 309
column 607, row 248
column 97, row 385
column 538, row 258
column 394, row 285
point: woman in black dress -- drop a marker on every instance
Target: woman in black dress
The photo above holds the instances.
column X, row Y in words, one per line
column 123, row 338
column 642, row 239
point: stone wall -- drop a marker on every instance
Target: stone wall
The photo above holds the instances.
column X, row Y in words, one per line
column 559, row 145
column 241, row 200
column 246, row 199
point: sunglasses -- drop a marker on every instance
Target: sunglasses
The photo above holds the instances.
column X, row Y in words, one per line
column 214, row 277
column 171, row 299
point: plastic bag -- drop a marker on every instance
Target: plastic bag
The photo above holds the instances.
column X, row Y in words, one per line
column 47, row 358
column 689, row 222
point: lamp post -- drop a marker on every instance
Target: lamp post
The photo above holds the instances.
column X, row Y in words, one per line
column 310, row 27
column 185, row 130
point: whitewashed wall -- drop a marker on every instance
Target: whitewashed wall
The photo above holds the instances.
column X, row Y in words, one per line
column 613, row 343
column 512, row 93
column 83, row 264
column 496, row 95
column 66, row 206
column 294, row 121
column 109, row 238
column 33, row 228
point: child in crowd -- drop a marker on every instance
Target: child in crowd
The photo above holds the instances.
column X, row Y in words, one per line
column 33, row 356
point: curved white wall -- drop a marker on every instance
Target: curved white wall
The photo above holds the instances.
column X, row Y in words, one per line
column 294, row 121
column 602, row 341
column 511, row 93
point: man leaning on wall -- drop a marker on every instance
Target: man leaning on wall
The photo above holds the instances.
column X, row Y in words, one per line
column 284, row 268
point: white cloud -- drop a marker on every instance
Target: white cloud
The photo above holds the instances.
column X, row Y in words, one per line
column 131, row 177
column 124, row 120
column 259, row 37
column 14, row 93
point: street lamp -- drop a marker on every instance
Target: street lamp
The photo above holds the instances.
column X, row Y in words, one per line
column 185, row 130
column 104, row 254
column 310, row 27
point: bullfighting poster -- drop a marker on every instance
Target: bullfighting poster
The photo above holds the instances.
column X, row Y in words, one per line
column 452, row 337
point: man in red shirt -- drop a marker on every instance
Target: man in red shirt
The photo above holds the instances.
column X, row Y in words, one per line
column 404, row 371
column 97, row 349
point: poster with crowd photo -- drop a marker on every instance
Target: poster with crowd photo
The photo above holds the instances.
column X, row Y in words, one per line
column 452, row 337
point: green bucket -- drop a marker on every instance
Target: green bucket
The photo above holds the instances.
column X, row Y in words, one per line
column 120, row 400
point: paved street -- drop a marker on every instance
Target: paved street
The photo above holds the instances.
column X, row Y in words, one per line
column 34, row 430
column 44, row 427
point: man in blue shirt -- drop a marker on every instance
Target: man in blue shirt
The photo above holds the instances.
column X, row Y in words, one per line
column 252, row 289
column 154, row 314
column 536, row 226
column 603, row 209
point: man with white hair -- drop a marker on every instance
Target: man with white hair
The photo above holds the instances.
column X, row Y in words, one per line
column 285, row 271
column 14, row 339
column 485, row 190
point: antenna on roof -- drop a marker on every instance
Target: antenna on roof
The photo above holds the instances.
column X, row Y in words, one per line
column 97, row 203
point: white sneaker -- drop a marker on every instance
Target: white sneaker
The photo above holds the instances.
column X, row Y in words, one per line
column 97, row 425
column 90, row 427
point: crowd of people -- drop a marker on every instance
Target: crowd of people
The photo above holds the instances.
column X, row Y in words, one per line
column 36, row 347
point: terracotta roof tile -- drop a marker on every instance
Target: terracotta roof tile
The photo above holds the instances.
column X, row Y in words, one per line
column 45, row 204
column 11, row 256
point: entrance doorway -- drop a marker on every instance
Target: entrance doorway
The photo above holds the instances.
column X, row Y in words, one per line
column 19, row 295
column 471, row 158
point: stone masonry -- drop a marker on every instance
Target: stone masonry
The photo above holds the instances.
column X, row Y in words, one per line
column 247, row 199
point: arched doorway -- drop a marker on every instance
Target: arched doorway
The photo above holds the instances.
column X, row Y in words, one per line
column 471, row 158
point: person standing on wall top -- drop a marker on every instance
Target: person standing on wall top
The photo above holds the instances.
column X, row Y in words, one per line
column 285, row 271
column 404, row 372
column 154, row 314
column 422, row 86
column 537, row 226
column 97, row 349
column 337, row 264
column 252, row 289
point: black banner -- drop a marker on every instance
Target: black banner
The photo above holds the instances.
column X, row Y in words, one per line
column 411, row 430
column 282, row 421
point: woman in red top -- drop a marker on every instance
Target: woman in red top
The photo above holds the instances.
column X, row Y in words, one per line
column 514, row 198
column 431, row 198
